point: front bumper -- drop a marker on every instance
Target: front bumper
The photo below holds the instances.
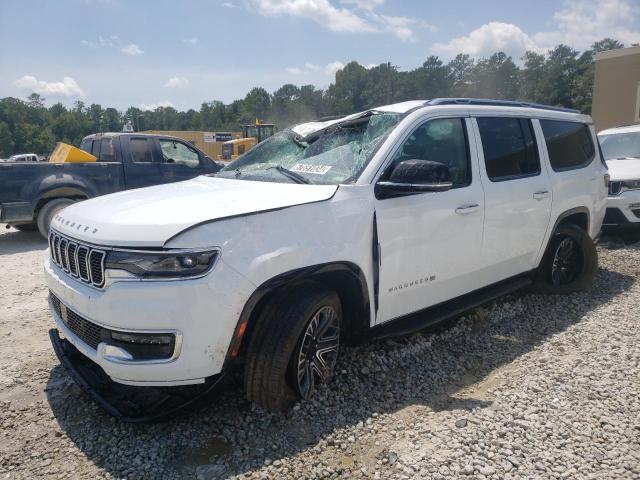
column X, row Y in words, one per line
column 127, row 403
column 203, row 311
column 623, row 209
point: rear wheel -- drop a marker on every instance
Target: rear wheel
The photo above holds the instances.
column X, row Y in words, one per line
column 294, row 347
column 570, row 262
column 48, row 211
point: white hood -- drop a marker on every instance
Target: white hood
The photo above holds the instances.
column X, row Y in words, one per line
column 625, row 169
column 151, row 216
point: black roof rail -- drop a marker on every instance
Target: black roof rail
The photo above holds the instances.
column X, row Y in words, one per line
column 498, row 103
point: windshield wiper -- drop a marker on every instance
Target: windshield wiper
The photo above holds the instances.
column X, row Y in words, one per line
column 292, row 175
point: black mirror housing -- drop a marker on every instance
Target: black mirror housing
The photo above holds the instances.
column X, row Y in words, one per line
column 415, row 176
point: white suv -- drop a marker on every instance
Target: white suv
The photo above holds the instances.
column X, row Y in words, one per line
column 373, row 224
column 621, row 151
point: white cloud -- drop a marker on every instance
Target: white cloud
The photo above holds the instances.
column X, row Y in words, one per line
column 228, row 5
column 154, row 106
column 358, row 16
column 294, row 71
column 364, row 4
column 319, row 11
column 489, row 38
column 333, row 67
column 132, row 49
column 313, row 67
column 101, row 42
column 579, row 24
column 68, row 87
column 177, row 82
column 190, row 41
column 371, row 65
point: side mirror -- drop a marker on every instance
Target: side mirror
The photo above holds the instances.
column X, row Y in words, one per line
column 415, row 176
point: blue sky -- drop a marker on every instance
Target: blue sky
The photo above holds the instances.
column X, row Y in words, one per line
column 147, row 53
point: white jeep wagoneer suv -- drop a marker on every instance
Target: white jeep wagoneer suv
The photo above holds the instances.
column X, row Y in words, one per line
column 369, row 225
column 621, row 151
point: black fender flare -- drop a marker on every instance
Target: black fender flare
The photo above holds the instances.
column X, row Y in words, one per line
column 568, row 213
column 357, row 308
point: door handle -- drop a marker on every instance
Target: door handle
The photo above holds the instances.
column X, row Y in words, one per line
column 540, row 194
column 467, row 209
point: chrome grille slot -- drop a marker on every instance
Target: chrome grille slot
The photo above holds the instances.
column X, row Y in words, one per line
column 96, row 267
column 83, row 269
column 71, row 255
column 64, row 260
column 80, row 261
column 615, row 188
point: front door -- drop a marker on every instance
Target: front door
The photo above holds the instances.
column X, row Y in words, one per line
column 431, row 242
column 179, row 160
column 517, row 194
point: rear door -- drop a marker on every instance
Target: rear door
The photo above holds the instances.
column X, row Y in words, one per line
column 518, row 195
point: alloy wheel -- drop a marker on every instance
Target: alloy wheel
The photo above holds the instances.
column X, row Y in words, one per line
column 566, row 262
column 318, row 351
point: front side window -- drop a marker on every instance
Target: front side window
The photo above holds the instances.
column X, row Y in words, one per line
column 509, row 147
column 620, row 146
column 332, row 155
column 443, row 141
column 569, row 144
column 176, row 152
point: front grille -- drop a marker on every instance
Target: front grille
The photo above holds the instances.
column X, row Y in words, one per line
column 80, row 261
column 614, row 188
column 88, row 332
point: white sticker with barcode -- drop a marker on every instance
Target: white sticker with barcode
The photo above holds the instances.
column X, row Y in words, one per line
column 314, row 169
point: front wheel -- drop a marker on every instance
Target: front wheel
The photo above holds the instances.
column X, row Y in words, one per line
column 569, row 263
column 294, row 346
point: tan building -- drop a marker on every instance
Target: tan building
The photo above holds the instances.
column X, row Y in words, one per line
column 616, row 90
column 209, row 142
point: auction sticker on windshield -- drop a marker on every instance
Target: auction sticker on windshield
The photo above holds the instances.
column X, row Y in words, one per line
column 306, row 168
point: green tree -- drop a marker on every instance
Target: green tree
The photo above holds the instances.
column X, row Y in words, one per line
column 6, row 140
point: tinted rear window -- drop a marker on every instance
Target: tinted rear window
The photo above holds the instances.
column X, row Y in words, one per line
column 509, row 147
column 569, row 144
column 141, row 150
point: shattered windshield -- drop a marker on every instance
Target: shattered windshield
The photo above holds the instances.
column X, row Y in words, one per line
column 336, row 154
column 620, row 145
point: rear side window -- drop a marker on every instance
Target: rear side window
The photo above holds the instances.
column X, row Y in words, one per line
column 86, row 145
column 569, row 144
column 509, row 146
column 106, row 152
column 140, row 150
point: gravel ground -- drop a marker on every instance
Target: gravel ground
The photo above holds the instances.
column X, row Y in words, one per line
column 528, row 387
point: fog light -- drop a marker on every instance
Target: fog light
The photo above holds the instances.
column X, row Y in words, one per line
column 145, row 346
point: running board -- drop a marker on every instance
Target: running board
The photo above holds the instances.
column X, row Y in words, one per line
column 441, row 312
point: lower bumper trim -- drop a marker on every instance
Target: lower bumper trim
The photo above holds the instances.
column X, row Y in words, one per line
column 130, row 404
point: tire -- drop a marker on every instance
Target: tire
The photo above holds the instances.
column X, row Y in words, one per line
column 282, row 337
column 48, row 211
column 26, row 227
column 570, row 246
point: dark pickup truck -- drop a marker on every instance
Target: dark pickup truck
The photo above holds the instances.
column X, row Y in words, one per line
column 32, row 193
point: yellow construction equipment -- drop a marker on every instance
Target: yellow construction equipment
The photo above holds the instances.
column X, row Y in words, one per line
column 252, row 134
column 65, row 153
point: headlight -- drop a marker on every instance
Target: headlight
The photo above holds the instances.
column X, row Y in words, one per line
column 162, row 264
column 631, row 184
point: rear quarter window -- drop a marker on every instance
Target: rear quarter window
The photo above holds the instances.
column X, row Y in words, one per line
column 569, row 144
